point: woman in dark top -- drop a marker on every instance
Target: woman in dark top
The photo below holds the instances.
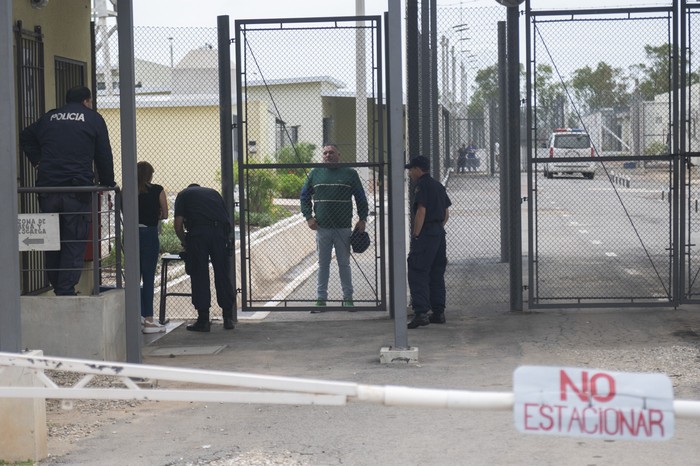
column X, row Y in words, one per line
column 153, row 207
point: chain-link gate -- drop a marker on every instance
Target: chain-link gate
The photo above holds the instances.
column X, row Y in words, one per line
column 602, row 180
column 302, row 84
column 690, row 146
column 177, row 124
column 470, row 151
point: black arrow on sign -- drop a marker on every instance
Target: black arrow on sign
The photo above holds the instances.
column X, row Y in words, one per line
column 29, row 241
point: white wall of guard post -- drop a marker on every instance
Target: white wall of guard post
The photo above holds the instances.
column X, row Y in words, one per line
column 280, row 390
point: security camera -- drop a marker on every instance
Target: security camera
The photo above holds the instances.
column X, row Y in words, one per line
column 38, row 4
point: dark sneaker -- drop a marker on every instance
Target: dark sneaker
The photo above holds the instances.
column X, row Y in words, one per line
column 419, row 320
column 437, row 318
column 200, row 326
column 347, row 302
column 319, row 303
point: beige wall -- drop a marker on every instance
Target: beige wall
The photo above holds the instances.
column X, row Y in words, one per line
column 182, row 144
column 66, row 28
column 287, row 99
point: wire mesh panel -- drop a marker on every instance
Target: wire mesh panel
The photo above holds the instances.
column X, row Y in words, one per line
column 690, row 143
column 303, row 84
column 601, row 125
column 177, row 123
column 470, row 147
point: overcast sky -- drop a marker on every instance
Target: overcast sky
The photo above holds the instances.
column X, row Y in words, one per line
column 165, row 16
column 204, row 12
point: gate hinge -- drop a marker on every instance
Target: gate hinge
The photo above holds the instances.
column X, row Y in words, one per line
column 525, row 288
column 234, row 125
column 232, row 40
column 523, row 199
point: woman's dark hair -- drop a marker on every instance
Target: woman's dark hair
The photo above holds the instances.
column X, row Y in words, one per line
column 144, row 170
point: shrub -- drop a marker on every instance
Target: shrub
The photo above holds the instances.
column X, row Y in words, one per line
column 262, row 187
column 289, row 185
column 656, row 148
column 169, row 242
column 302, row 152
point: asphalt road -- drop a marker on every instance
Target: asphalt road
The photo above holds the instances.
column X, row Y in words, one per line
column 478, row 349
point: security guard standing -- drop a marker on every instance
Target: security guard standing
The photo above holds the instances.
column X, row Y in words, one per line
column 202, row 212
column 63, row 145
column 427, row 256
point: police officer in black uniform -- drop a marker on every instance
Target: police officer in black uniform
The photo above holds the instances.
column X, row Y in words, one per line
column 427, row 257
column 202, row 212
column 63, row 145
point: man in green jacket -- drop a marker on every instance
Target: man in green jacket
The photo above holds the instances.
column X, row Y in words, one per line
column 326, row 202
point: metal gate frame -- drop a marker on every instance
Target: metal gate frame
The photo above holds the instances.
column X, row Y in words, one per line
column 688, row 269
column 376, row 152
column 678, row 158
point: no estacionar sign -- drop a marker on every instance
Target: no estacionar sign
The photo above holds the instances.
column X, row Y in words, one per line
column 593, row 403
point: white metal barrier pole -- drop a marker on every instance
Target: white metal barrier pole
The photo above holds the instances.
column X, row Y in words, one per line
column 282, row 390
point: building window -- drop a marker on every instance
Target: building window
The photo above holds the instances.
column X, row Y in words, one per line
column 327, row 130
column 285, row 135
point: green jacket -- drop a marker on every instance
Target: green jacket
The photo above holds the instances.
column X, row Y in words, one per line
column 327, row 195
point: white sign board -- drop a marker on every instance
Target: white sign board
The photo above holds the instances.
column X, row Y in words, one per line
column 38, row 232
column 593, row 403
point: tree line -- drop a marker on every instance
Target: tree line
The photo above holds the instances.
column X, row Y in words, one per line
column 561, row 101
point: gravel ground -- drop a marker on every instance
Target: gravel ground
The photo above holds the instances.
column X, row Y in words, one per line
column 476, row 351
column 70, row 421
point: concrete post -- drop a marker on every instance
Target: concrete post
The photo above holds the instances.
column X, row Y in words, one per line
column 23, row 431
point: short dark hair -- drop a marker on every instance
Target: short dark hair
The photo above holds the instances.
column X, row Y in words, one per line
column 420, row 161
column 78, row 94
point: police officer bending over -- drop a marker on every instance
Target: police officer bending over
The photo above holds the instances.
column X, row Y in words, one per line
column 203, row 213
column 427, row 256
column 63, row 145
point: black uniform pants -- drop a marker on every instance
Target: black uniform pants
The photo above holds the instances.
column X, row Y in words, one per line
column 64, row 267
column 427, row 260
column 203, row 243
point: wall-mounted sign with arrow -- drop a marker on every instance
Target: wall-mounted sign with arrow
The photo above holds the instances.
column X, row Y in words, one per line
column 38, row 232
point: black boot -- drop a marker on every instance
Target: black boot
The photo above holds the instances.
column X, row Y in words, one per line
column 229, row 324
column 202, row 325
column 419, row 319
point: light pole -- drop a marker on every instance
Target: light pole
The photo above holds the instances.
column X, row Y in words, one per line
column 512, row 156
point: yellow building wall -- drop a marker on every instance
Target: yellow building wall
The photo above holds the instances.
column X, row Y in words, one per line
column 65, row 25
column 182, row 144
column 298, row 104
column 260, row 128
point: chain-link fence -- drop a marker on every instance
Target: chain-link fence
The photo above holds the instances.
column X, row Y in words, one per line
column 177, row 121
column 470, row 150
column 300, row 90
column 690, row 142
column 601, row 131
column 305, row 84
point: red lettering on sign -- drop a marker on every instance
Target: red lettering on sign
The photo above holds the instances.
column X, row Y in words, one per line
column 528, row 416
column 594, row 387
column 547, row 422
column 589, row 388
column 656, row 418
column 593, row 421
